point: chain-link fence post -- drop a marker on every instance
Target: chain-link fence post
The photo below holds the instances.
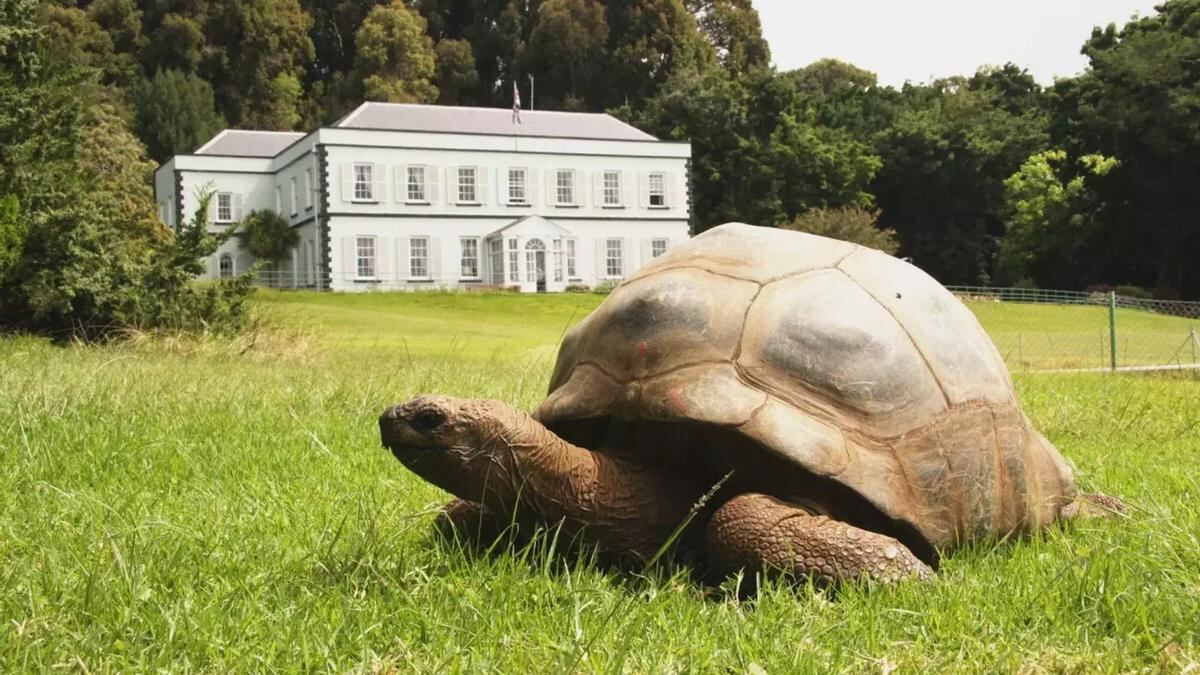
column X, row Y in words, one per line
column 1112, row 327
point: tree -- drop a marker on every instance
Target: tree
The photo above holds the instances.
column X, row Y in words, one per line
column 456, row 79
column 395, row 60
column 269, row 237
column 258, row 50
column 945, row 158
column 735, row 31
column 175, row 113
column 848, row 223
column 566, row 49
column 648, row 40
column 1050, row 227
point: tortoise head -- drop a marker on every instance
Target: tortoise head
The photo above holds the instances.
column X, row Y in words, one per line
column 459, row 445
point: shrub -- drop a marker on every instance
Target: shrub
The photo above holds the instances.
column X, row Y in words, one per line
column 269, row 237
column 1131, row 291
column 848, row 223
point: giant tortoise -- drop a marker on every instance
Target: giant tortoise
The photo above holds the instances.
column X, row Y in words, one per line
column 851, row 413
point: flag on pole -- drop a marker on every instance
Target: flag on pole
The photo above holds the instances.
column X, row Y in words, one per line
column 516, row 117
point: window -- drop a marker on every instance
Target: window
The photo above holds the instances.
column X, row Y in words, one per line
column 535, row 260
column 418, row 257
column 564, row 186
column 224, row 207
column 364, row 258
column 295, row 197
column 517, row 193
column 416, row 184
column 466, row 185
column 470, row 258
column 657, row 247
column 278, row 200
column 225, row 266
column 613, row 263
column 558, row 259
column 496, row 255
column 364, row 182
column 571, row 259
column 657, row 189
column 308, row 188
column 514, row 274
column 612, row 188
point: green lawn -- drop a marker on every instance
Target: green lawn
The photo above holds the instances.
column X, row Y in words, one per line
column 225, row 506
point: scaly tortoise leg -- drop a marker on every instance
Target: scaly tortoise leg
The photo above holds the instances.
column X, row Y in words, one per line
column 1093, row 506
column 470, row 521
column 754, row 532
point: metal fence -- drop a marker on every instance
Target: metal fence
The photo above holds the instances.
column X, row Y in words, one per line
column 1042, row 330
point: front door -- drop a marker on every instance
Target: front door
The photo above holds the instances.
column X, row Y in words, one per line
column 541, row 271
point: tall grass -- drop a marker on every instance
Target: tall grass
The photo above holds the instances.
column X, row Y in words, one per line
column 221, row 508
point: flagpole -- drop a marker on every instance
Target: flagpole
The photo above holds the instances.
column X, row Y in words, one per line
column 531, row 92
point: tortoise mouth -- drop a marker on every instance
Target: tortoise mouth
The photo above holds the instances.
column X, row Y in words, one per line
column 708, row 452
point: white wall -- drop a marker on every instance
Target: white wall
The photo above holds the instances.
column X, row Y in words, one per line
column 445, row 235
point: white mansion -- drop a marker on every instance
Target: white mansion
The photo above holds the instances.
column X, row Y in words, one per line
column 397, row 196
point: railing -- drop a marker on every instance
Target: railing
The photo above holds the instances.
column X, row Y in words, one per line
column 1037, row 329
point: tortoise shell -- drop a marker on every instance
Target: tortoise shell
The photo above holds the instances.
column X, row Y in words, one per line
column 838, row 359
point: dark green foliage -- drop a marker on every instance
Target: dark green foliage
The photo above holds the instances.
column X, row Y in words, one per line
column 268, row 236
column 175, row 113
column 850, row 223
column 83, row 254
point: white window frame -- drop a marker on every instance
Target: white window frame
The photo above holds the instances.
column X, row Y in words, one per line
column 659, row 247
column 660, row 191
column 466, row 243
column 295, row 198
column 514, row 259
column 415, row 261
column 570, row 187
column 308, row 188
column 228, row 207
column 611, row 190
column 496, row 259
column 221, row 266
column 363, row 183
column 572, row 270
column 411, row 196
column 461, row 186
column 518, row 190
column 366, row 257
column 614, row 262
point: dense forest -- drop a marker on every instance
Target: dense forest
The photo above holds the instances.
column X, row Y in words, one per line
column 986, row 178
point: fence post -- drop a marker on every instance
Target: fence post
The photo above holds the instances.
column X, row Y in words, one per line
column 1112, row 327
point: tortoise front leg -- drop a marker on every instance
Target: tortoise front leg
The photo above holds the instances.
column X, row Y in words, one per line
column 469, row 521
column 754, row 532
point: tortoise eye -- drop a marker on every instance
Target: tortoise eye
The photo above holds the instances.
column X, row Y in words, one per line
column 428, row 419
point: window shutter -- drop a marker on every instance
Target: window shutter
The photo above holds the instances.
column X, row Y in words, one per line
column 532, row 177
column 349, row 259
column 601, row 258
column 432, row 184
column 379, row 174
column 435, row 258
column 597, row 188
column 647, row 251
column 669, row 185
column 347, row 175
column 211, row 214
column 237, row 207
column 400, row 183
column 644, row 189
column 502, row 185
column 483, row 181
column 402, row 263
column 383, row 269
column 627, row 264
column 451, row 184
column 551, row 193
column 627, row 191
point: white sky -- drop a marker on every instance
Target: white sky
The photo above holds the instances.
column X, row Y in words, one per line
column 920, row 40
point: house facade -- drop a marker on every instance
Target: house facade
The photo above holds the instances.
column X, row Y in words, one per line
column 406, row 197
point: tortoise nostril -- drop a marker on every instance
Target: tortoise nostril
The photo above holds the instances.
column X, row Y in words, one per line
column 427, row 419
